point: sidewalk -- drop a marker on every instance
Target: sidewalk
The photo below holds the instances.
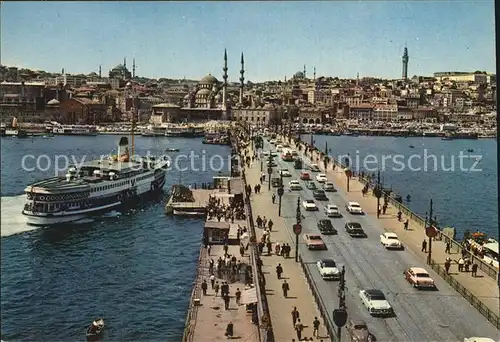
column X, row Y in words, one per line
column 300, row 295
column 483, row 287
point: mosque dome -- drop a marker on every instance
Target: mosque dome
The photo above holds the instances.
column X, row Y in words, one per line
column 53, row 102
column 218, row 97
column 203, row 91
column 209, row 79
column 299, row 74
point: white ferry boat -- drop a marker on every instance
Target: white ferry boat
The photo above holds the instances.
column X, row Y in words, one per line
column 184, row 131
column 95, row 187
column 86, row 130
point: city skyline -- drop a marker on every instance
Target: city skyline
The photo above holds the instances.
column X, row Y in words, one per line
column 178, row 40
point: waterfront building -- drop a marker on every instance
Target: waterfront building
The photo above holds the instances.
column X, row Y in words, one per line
column 261, row 116
column 83, row 111
column 385, row 112
column 70, row 80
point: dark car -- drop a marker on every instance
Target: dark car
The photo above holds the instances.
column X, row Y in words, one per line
column 272, row 163
column 320, row 195
column 276, row 182
column 326, row 227
column 354, row 229
column 297, row 164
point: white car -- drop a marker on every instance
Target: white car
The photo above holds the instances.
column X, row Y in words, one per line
column 314, row 168
column 390, row 240
column 272, row 142
column 354, row 208
column 279, row 148
column 321, row 178
column 328, row 269
column 309, row 205
column 375, row 302
column 285, row 173
column 294, row 185
column 329, row 187
column 479, row 339
column 274, row 154
column 265, row 153
column 332, row 210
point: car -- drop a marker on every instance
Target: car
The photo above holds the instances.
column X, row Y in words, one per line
column 479, row 339
column 314, row 168
column 419, row 278
column 332, row 210
column 276, row 182
column 328, row 269
column 320, row 195
column 272, row 141
column 354, row 208
column 305, row 175
column 314, row 241
column 376, row 303
column 309, row 205
column 329, row 187
column 285, row 173
column 271, row 163
column 390, row 241
column 326, row 227
column 294, row 185
column 297, row 164
column 279, row 148
column 286, row 145
column 266, row 153
column 359, row 331
column 354, row 229
column 321, row 178
column 311, row 186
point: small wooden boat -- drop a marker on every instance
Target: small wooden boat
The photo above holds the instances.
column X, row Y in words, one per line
column 470, row 150
column 95, row 330
column 172, row 150
column 411, row 146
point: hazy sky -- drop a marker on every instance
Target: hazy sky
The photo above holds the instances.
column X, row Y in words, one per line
column 177, row 39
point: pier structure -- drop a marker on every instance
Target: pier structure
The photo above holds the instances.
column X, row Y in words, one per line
column 480, row 291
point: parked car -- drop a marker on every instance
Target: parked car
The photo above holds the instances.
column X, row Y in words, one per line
column 354, row 229
column 354, row 208
column 326, row 227
column 321, row 178
column 276, row 182
column 311, row 185
column 271, row 163
column 314, row 241
column 419, row 278
column 328, row 269
column 328, row 186
column 332, row 210
column 390, row 241
column 305, row 175
column 285, row 173
column 314, row 168
column 294, row 185
column 320, row 195
column 376, row 303
column 359, row 331
column 309, row 205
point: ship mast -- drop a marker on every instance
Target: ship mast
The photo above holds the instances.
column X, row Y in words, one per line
column 130, row 92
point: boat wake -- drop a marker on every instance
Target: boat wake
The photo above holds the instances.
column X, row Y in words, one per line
column 12, row 221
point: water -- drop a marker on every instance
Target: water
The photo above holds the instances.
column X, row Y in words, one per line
column 462, row 199
column 135, row 269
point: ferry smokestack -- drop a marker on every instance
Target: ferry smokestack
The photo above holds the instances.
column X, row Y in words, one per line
column 122, row 146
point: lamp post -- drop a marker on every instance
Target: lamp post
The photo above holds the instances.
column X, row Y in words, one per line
column 297, row 229
column 269, row 170
column 281, row 191
column 431, row 232
column 348, row 174
column 378, row 193
column 340, row 314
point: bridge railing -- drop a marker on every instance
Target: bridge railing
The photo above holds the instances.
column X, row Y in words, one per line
column 193, row 308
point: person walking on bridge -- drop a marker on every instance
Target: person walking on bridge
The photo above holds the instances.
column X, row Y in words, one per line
column 285, row 287
column 316, row 324
column 279, row 271
column 295, row 315
column 298, row 328
column 424, row 246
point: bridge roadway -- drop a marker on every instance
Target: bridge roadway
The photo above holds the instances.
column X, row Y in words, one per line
column 442, row 315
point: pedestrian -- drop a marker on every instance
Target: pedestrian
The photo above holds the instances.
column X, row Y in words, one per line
column 270, row 224
column 447, row 248
column 204, row 287
column 461, row 263
column 209, row 248
column 406, row 224
column 212, row 281
column 316, row 327
column 242, row 250
column 384, row 208
column 285, row 287
column 447, row 265
column 279, row 271
column 295, row 315
column 424, row 246
column 226, row 302
column 298, row 328
column 238, row 296
column 229, row 330
column 274, row 198
column 277, row 248
column 216, row 288
column 399, row 215
column 474, row 270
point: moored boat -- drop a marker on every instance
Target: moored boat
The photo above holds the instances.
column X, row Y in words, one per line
column 95, row 330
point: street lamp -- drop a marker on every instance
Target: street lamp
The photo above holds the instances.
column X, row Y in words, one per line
column 297, row 229
column 269, row 170
column 340, row 314
column 378, row 193
column 281, row 191
column 431, row 232
column 348, row 174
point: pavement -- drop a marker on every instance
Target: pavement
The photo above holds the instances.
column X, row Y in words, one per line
column 299, row 296
column 442, row 315
column 482, row 286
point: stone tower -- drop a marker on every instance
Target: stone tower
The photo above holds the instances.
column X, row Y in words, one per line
column 224, row 86
column 133, row 68
column 405, row 64
column 242, row 78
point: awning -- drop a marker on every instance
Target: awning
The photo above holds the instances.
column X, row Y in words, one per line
column 249, row 296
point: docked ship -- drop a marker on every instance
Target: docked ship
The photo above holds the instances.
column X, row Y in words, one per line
column 153, row 131
column 84, row 130
column 14, row 130
column 216, row 138
column 183, row 131
column 95, row 187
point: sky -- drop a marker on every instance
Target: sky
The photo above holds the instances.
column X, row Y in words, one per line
column 187, row 39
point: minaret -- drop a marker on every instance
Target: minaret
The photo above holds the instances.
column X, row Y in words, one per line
column 357, row 80
column 405, row 64
column 305, row 71
column 314, row 74
column 133, row 68
column 99, row 71
column 242, row 78
column 125, row 62
column 224, row 86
